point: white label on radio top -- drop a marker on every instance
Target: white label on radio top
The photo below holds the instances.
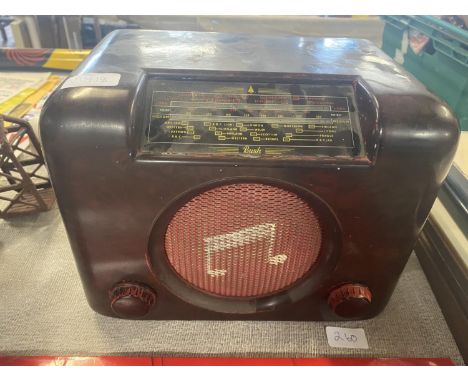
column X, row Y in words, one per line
column 92, row 79
column 346, row 338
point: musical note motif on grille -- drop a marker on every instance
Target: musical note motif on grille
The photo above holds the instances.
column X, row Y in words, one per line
column 239, row 238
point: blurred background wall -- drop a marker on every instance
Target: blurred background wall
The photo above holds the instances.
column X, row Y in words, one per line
column 84, row 32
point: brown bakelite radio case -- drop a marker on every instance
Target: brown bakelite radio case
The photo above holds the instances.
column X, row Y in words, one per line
column 235, row 177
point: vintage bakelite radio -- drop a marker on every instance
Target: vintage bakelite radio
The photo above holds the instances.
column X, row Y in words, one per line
column 237, row 177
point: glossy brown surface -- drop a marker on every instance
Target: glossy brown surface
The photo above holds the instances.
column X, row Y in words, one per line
column 117, row 201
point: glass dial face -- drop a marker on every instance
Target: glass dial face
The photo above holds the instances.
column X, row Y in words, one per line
column 212, row 118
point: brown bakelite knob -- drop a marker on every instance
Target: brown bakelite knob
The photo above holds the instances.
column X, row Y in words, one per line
column 131, row 300
column 350, row 300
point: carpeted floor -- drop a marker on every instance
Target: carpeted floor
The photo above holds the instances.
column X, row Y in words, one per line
column 43, row 311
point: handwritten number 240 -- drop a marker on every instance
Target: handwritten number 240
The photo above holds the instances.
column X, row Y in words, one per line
column 345, row 337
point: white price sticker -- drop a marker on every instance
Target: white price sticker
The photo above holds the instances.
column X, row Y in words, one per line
column 92, row 79
column 346, row 338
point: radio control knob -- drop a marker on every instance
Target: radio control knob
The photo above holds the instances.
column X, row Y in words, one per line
column 350, row 300
column 131, row 300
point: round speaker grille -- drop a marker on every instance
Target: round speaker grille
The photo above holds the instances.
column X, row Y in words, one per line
column 243, row 240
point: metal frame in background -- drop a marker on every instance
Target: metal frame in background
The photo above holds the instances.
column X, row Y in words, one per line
column 20, row 167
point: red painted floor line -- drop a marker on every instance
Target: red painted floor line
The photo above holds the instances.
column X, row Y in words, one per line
column 217, row 361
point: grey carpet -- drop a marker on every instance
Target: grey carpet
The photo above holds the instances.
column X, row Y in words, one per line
column 43, row 311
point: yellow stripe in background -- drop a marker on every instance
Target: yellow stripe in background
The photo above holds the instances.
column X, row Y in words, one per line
column 19, row 105
column 14, row 101
column 30, row 101
column 65, row 59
